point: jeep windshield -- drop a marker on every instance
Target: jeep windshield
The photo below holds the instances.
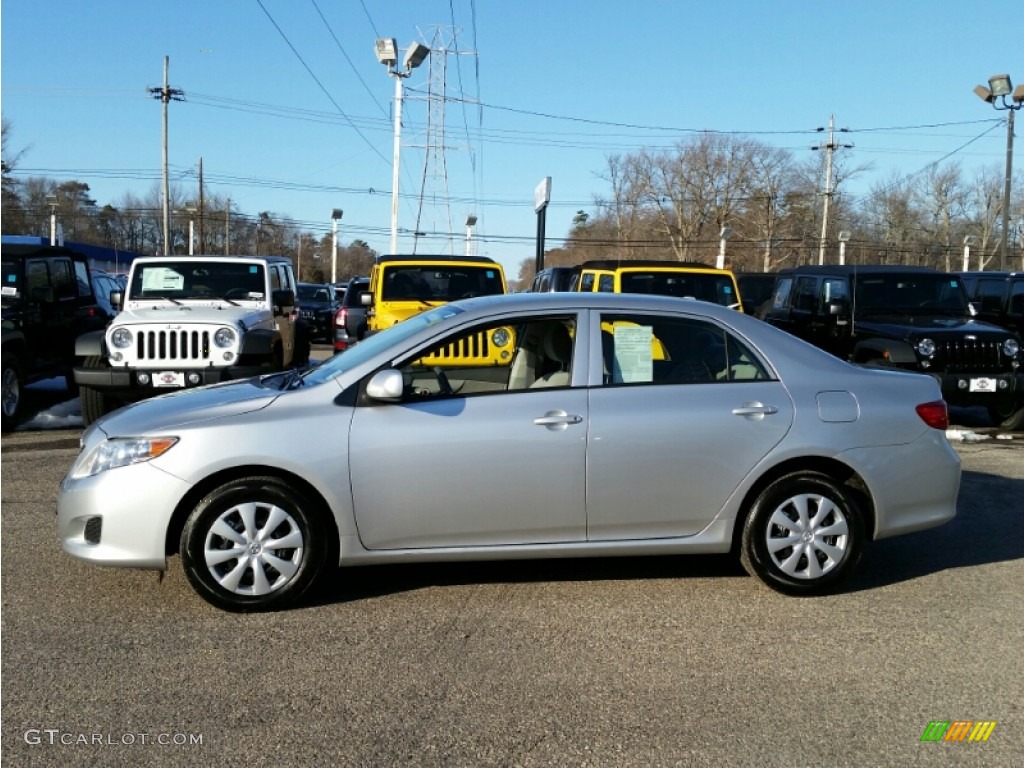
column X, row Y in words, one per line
column 179, row 280
column 910, row 294
column 378, row 342
column 716, row 288
column 439, row 282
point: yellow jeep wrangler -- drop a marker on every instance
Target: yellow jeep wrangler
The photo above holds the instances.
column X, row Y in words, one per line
column 686, row 279
column 402, row 286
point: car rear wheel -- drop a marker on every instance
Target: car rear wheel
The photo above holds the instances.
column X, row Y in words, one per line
column 254, row 544
column 803, row 535
column 12, row 391
column 93, row 402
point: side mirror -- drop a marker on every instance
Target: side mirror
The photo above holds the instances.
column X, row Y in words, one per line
column 387, row 385
column 283, row 298
column 116, row 297
column 838, row 308
column 366, row 298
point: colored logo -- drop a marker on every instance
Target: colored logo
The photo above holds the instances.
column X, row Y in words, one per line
column 958, row 730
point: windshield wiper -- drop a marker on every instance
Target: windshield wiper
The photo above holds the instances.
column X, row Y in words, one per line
column 162, row 298
column 229, row 301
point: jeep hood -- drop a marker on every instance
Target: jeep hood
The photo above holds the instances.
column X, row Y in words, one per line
column 165, row 412
column 215, row 312
column 902, row 326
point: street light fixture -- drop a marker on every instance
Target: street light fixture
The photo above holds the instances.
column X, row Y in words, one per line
column 387, row 54
column 723, row 235
column 999, row 88
column 336, row 215
column 844, row 238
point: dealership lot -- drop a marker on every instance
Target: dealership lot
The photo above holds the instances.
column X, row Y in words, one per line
column 603, row 662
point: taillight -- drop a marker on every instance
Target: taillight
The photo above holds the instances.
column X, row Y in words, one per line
column 341, row 317
column 934, row 414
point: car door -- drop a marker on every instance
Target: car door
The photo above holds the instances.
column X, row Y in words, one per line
column 684, row 412
column 501, row 461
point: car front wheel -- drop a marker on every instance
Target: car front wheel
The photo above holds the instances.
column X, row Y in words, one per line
column 254, row 544
column 803, row 535
column 94, row 403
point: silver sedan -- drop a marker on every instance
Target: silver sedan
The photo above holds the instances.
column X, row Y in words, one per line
column 520, row 426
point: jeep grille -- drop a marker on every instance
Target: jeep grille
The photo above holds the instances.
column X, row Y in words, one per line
column 160, row 346
column 969, row 356
column 473, row 350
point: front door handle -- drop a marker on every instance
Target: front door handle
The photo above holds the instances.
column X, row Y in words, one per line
column 557, row 420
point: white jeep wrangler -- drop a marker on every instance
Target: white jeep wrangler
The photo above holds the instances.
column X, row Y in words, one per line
column 186, row 321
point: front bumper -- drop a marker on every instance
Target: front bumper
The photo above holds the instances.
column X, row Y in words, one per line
column 119, row 517
column 965, row 389
column 124, row 382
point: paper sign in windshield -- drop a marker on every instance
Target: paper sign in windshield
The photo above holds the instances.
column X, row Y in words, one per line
column 632, row 360
column 162, row 279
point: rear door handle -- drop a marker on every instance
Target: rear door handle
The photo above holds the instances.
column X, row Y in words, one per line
column 557, row 420
column 754, row 409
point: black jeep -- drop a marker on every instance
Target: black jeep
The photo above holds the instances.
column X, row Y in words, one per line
column 47, row 303
column 911, row 318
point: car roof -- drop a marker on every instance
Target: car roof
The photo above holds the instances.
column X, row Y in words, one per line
column 23, row 251
column 843, row 270
column 215, row 257
column 583, row 300
column 646, row 264
column 447, row 257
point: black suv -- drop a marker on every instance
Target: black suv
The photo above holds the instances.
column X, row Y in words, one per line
column 317, row 304
column 911, row 318
column 47, row 303
column 998, row 297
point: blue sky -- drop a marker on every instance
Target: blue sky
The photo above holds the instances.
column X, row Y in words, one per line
column 562, row 85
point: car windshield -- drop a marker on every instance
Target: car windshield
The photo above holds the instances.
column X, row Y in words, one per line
column 439, row 283
column 197, row 280
column 901, row 293
column 313, row 293
column 716, row 288
column 375, row 344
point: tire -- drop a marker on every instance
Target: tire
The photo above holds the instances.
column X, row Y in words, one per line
column 94, row 403
column 824, row 552
column 303, row 346
column 224, row 552
column 12, row 381
column 1010, row 417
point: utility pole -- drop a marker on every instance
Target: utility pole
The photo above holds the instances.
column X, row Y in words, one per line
column 202, row 247
column 829, row 148
column 166, row 95
column 227, row 228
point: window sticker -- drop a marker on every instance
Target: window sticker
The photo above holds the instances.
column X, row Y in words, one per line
column 490, row 273
column 633, row 359
column 9, row 290
column 252, row 269
column 162, row 279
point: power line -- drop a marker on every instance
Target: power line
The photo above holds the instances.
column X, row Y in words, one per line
column 345, row 54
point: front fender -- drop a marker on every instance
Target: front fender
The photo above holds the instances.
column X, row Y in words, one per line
column 897, row 352
column 259, row 342
column 91, row 344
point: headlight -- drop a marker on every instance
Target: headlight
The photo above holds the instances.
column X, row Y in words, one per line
column 1011, row 347
column 121, row 338
column 501, row 337
column 926, row 347
column 224, row 337
column 120, row 452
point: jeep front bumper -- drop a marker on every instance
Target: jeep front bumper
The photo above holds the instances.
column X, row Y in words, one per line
column 139, row 383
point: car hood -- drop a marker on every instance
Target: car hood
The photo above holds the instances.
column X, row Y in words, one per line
column 904, row 326
column 165, row 412
column 218, row 312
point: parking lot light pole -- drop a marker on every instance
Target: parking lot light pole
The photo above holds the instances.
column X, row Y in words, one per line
column 969, row 240
column 52, row 201
column 723, row 235
column 336, row 215
column 1000, row 87
column 387, row 54
column 844, row 238
column 470, row 223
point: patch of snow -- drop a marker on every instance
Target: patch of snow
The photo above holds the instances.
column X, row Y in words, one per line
column 965, row 435
column 60, row 416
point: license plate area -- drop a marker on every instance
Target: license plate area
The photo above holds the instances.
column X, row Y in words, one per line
column 169, row 379
column 983, row 384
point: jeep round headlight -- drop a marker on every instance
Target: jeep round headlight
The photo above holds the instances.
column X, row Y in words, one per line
column 1011, row 347
column 926, row 347
column 224, row 337
column 501, row 337
column 121, row 338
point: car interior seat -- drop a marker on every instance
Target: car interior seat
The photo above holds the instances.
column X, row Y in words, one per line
column 556, row 354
